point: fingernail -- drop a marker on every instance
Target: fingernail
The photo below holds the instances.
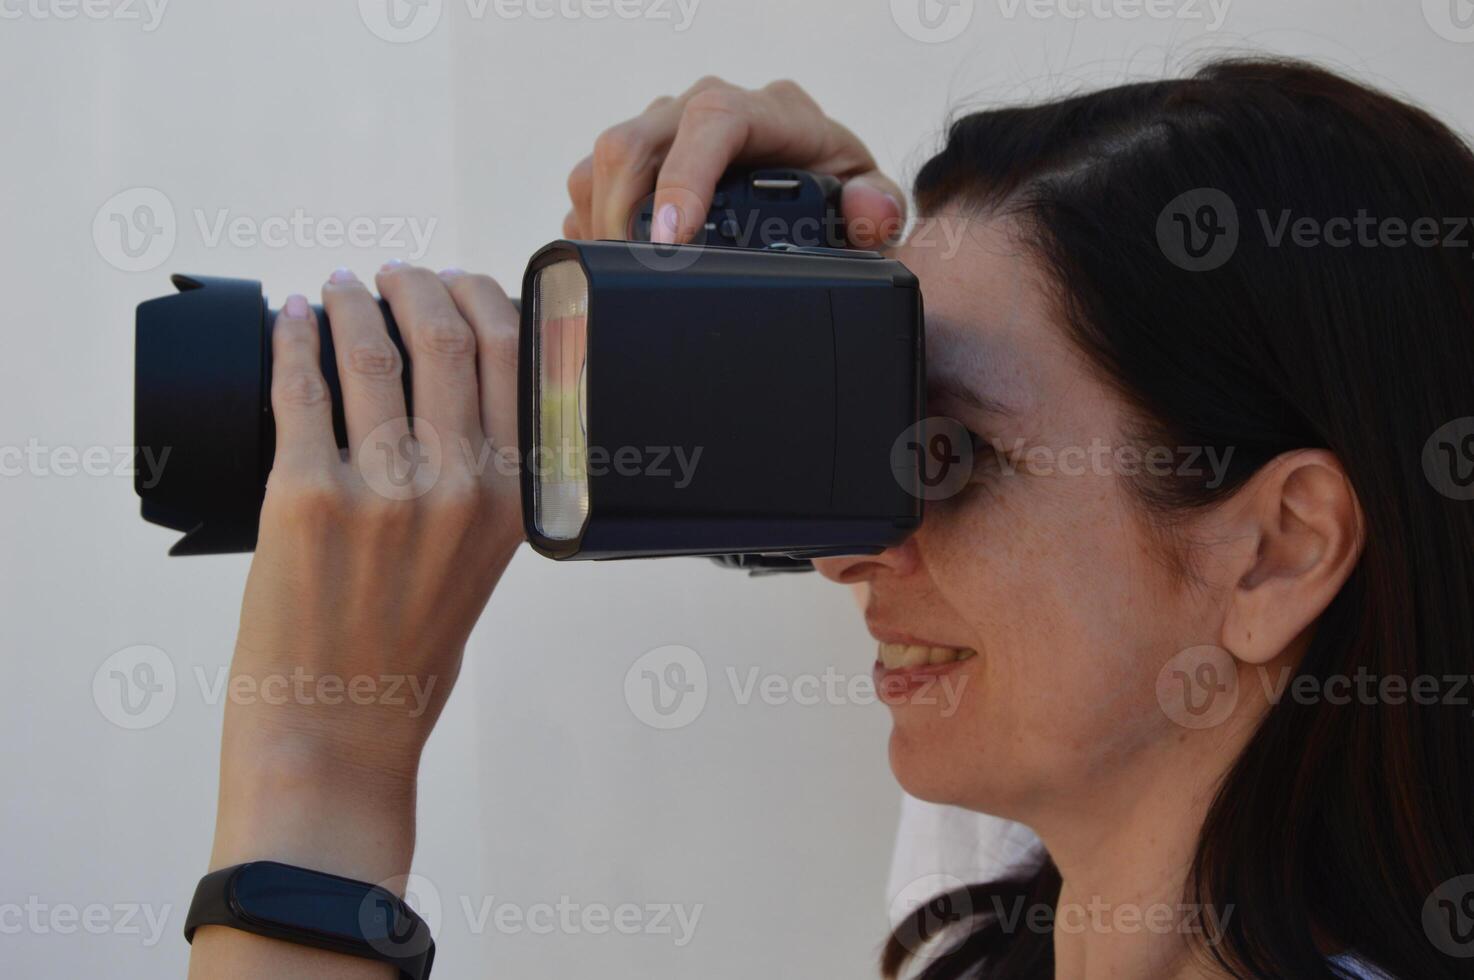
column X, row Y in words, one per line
column 452, row 272
column 296, row 307
column 341, row 276
column 667, row 220
column 391, row 264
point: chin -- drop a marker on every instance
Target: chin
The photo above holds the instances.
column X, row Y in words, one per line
column 924, row 767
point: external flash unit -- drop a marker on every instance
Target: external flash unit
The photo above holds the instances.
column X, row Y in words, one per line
column 780, row 378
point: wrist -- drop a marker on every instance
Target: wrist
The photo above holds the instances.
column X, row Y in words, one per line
column 295, row 801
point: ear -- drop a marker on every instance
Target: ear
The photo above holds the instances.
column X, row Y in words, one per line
column 1303, row 515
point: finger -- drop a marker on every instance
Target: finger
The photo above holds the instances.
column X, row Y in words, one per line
column 720, row 127
column 495, row 321
column 581, row 193
column 299, row 395
column 626, row 159
column 874, row 211
column 442, row 352
column 369, row 367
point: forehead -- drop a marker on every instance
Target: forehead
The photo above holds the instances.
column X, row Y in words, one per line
column 990, row 325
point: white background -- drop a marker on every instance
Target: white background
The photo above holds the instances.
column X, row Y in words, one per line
column 541, row 782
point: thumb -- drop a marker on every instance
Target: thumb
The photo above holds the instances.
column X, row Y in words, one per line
column 874, row 210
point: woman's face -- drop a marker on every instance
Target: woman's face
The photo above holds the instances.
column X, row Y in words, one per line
column 1043, row 564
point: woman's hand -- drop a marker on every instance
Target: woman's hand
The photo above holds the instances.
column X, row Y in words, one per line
column 679, row 148
column 369, row 573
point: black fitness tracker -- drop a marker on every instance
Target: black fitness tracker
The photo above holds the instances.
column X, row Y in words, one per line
column 311, row 908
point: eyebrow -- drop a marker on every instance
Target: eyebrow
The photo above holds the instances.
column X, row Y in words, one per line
column 954, row 390
column 954, row 376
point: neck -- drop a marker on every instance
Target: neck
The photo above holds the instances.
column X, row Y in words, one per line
column 1125, row 853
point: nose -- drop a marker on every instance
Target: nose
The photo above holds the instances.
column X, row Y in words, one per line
column 899, row 560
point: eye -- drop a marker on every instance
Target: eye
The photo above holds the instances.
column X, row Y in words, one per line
column 985, row 454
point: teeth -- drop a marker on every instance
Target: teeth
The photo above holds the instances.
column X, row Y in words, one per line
column 894, row 655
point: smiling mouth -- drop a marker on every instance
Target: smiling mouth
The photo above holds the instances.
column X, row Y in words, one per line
column 899, row 656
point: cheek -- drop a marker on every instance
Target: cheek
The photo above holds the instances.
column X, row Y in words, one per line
column 1056, row 579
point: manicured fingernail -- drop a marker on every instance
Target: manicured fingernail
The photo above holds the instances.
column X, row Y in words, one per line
column 452, row 272
column 341, row 276
column 667, row 220
column 391, row 264
column 296, row 307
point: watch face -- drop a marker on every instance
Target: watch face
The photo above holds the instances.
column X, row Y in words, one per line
column 298, row 899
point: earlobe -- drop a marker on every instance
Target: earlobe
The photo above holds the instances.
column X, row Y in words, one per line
column 1308, row 530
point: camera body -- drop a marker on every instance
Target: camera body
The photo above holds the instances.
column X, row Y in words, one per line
column 762, row 208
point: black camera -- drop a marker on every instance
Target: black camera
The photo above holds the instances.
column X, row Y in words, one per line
column 740, row 398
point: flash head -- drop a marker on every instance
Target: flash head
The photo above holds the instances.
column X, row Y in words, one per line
column 673, row 400
column 688, row 400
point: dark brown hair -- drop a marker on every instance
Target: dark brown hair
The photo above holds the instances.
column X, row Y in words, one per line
column 1339, row 821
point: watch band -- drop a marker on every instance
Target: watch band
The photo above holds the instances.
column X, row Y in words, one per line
column 313, row 908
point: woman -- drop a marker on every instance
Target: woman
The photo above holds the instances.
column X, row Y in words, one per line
column 1212, row 394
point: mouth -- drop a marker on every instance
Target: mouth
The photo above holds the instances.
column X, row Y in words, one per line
column 906, row 656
